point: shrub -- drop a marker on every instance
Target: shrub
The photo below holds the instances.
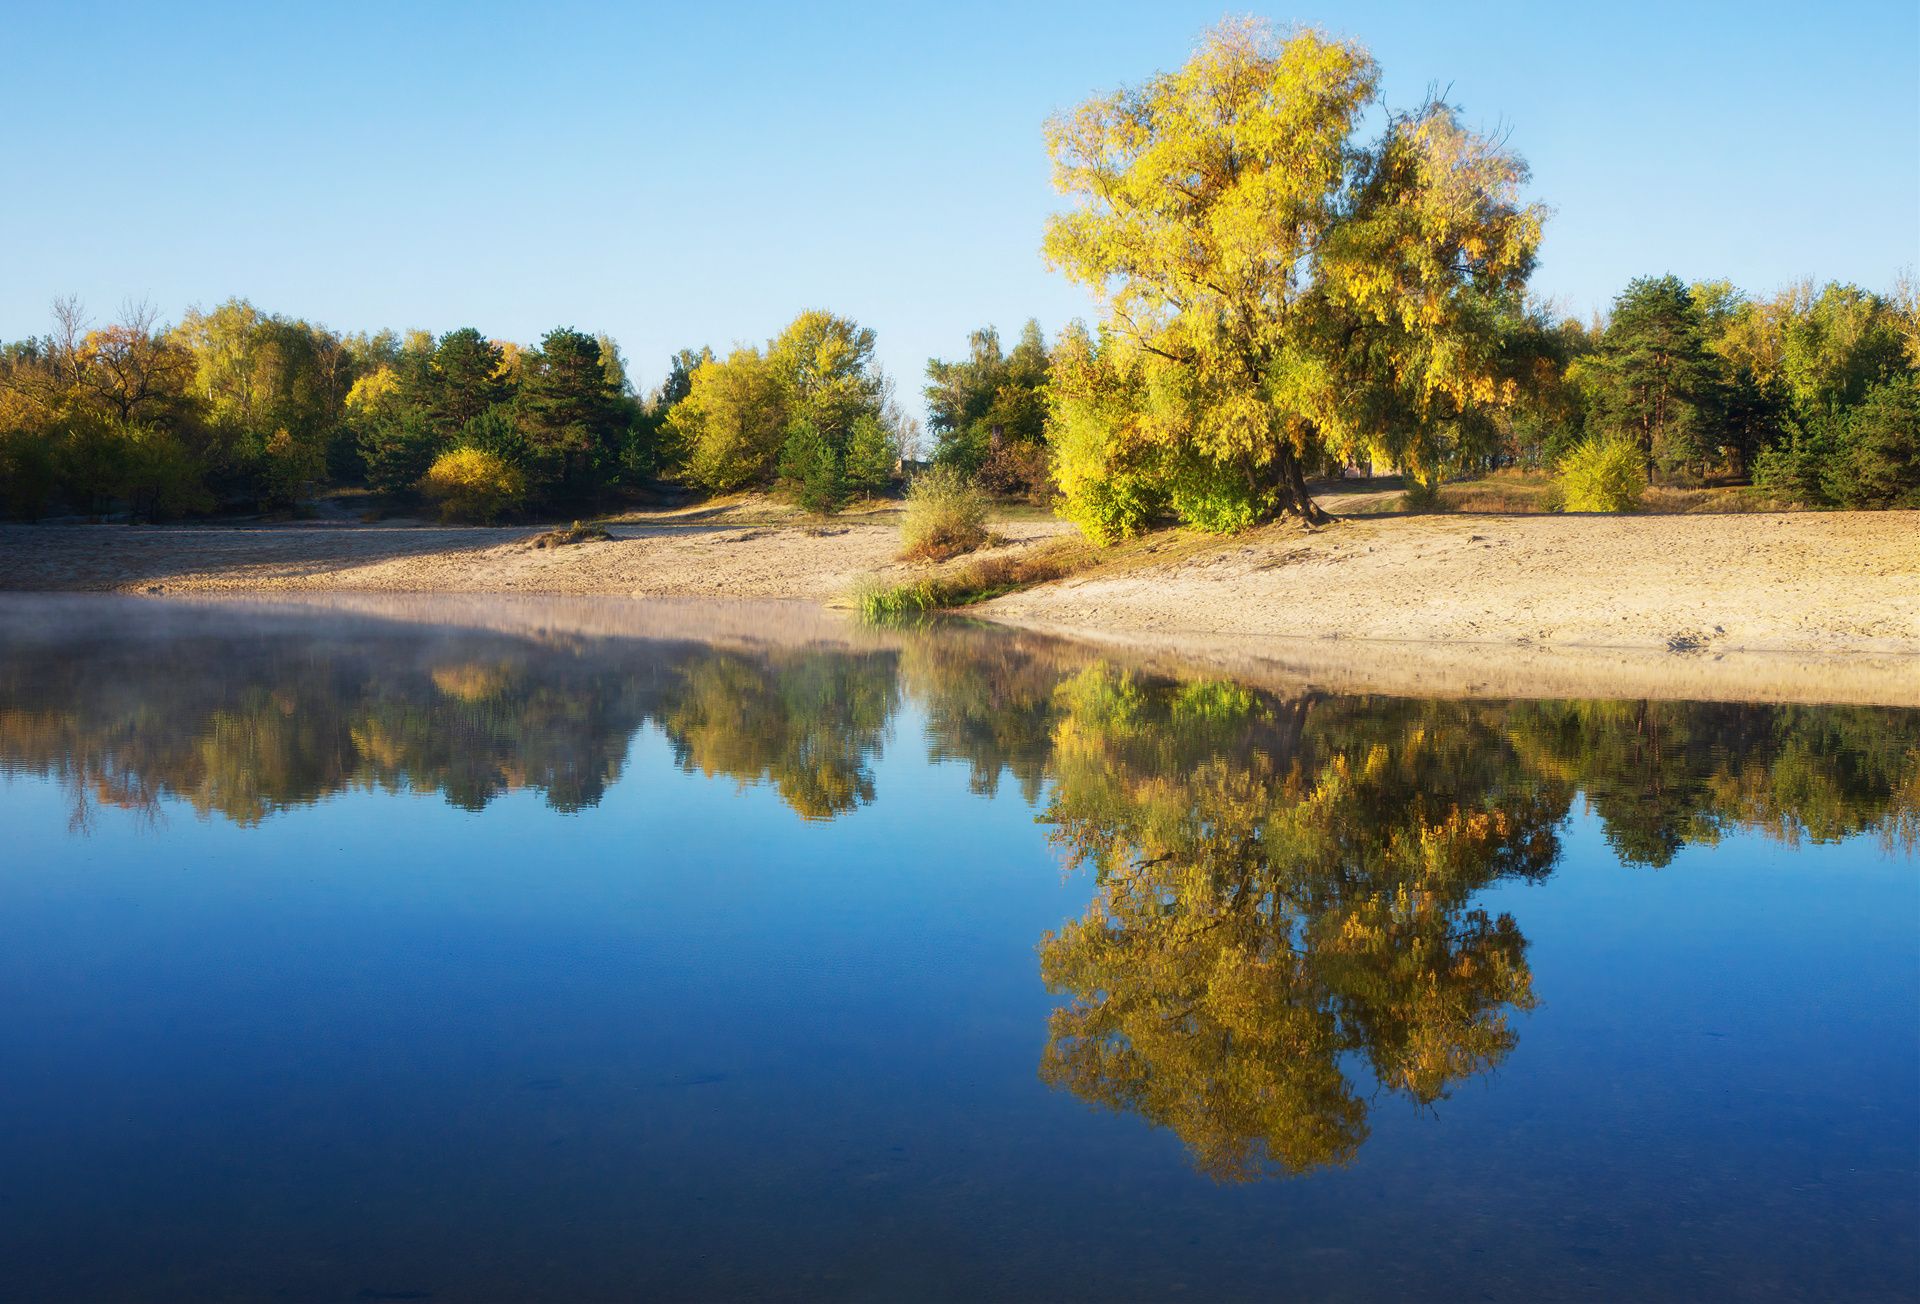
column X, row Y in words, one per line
column 945, row 517
column 472, row 484
column 1603, row 475
column 89, row 458
column 1217, row 499
column 1422, row 494
column 575, row 533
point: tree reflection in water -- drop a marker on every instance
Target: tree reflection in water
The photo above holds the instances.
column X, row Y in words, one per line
column 1284, row 888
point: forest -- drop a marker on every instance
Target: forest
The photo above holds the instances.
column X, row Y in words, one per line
column 1281, row 298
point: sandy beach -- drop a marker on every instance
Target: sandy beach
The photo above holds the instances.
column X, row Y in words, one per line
column 1799, row 606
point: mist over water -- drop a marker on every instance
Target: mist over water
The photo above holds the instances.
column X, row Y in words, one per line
column 361, row 956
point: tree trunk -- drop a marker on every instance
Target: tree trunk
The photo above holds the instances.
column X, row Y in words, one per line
column 1291, row 489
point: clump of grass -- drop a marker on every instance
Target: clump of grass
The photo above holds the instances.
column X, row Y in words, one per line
column 1508, row 493
column 575, row 533
column 1689, row 502
column 1603, row 475
column 977, row 581
column 946, row 516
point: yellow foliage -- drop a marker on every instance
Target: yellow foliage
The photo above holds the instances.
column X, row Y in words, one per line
column 472, row 484
column 372, row 391
column 1274, row 289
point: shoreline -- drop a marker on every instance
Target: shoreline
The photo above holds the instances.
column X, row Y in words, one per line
column 1801, row 607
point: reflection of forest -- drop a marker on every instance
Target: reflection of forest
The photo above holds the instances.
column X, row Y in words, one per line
column 245, row 719
column 275, row 713
column 1284, row 887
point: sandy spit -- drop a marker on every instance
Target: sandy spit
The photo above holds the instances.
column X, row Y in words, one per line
column 714, row 560
column 1813, row 607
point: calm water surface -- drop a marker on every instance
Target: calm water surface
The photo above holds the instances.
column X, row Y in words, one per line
column 351, row 958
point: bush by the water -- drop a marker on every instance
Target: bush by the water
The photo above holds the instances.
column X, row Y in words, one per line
column 472, row 484
column 1603, row 475
column 946, row 516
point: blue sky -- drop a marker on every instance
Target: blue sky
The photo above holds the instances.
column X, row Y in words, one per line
column 697, row 173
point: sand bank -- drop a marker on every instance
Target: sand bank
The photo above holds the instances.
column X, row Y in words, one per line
column 1776, row 607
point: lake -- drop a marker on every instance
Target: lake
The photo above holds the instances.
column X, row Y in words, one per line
column 356, row 955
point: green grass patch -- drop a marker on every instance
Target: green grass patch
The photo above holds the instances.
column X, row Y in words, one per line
column 977, row 581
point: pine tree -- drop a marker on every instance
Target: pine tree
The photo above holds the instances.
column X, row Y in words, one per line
column 1655, row 381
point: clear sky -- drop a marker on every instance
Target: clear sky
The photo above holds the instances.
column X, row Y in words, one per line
column 698, row 172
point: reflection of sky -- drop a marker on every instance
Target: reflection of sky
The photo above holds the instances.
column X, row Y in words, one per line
column 683, row 1041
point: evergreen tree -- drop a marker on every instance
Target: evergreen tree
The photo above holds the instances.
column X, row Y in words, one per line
column 1654, row 380
column 465, row 379
column 570, row 413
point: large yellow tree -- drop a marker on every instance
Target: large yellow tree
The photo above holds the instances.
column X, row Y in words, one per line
column 1275, row 290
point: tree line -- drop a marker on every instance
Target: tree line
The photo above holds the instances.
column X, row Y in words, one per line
column 237, row 408
column 1281, row 297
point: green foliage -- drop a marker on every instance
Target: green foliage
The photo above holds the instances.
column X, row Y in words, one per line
column 1603, row 475
column 289, row 469
column 464, row 381
column 160, row 476
column 644, row 452
column 881, row 604
column 733, row 422
column 1836, row 345
column 809, row 464
column 1879, row 465
column 474, row 485
column 945, row 516
column 872, row 454
column 1420, row 496
column 496, row 430
column 1796, row 468
column 1654, row 380
column 1218, row 499
column 1867, row 456
column 679, row 381
column 572, row 416
column 28, row 473
column 397, row 446
column 990, row 407
column 826, row 372
column 89, row 458
column 977, row 580
column 274, row 390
